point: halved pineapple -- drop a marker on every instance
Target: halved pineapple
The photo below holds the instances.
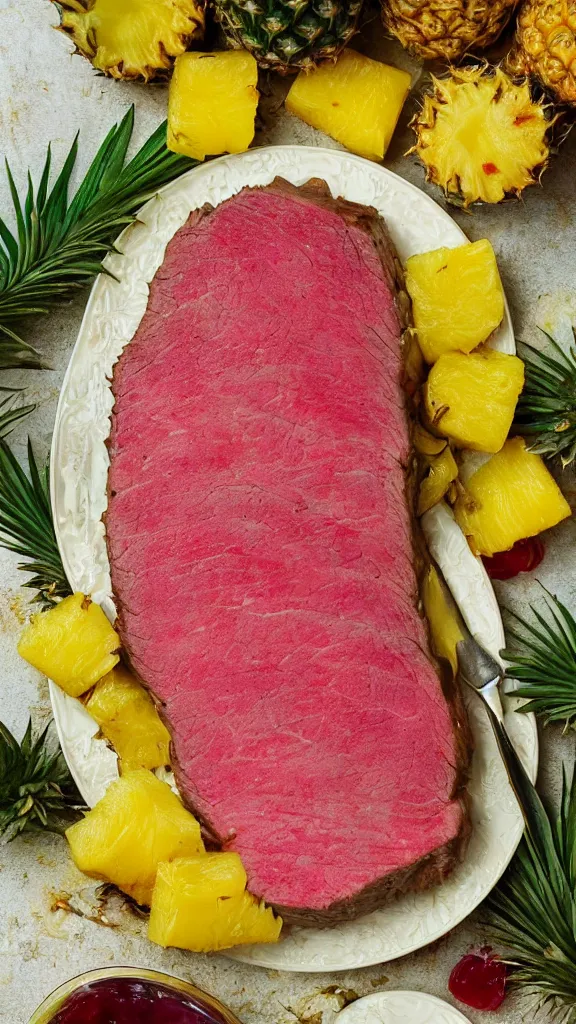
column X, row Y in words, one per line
column 508, row 498
column 138, row 824
column 200, row 903
column 73, row 644
column 471, row 398
column 443, row 470
column 132, row 38
column 212, row 103
column 356, row 100
column 457, row 297
column 128, row 718
column 445, row 632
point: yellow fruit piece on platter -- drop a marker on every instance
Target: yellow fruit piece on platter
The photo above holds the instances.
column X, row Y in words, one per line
column 128, row 718
column 510, row 497
column 445, row 632
column 356, row 101
column 73, row 644
column 471, row 398
column 443, row 470
column 457, row 297
column 138, row 824
column 212, row 103
column 200, row 903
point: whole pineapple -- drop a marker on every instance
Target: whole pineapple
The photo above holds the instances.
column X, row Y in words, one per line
column 446, row 29
column 289, row 35
column 545, row 47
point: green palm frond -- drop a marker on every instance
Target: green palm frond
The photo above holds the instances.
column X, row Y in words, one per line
column 36, row 788
column 10, row 412
column 546, row 411
column 26, row 525
column 533, row 909
column 543, row 660
column 58, row 244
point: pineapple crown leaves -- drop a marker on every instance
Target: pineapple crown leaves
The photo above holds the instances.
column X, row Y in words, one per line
column 542, row 659
column 546, row 411
column 26, row 525
column 59, row 244
column 533, row 909
column 37, row 791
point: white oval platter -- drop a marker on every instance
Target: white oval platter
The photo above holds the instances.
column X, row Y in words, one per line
column 78, row 483
column 399, row 1008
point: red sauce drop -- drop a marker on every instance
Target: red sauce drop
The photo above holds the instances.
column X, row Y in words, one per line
column 133, row 1001
column 489, row 168
column 525, row 556
column 479, row 980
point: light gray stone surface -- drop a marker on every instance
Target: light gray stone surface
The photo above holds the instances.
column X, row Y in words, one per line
column 46, row 95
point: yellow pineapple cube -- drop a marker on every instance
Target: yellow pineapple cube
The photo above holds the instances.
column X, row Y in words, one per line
column 212, row 103
column 73, row 644
column 200, row 903
column 457, row 297
column 138, row 823
column 445, row 632
column 510, row 497
column 128, row 718
column 471, row 398
column 443, row 470
column 356, row 100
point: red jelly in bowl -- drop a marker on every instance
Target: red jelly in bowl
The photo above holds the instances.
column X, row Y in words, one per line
column 129, row 996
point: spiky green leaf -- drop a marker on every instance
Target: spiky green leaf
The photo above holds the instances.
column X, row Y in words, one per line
column 546, row 411
column 58, row 246
column 36, row 788
column 541, row 655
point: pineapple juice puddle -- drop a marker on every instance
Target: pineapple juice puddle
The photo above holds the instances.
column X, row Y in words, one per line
column 129, row 996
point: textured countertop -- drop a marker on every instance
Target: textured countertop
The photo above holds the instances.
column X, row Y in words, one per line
column 46, row 95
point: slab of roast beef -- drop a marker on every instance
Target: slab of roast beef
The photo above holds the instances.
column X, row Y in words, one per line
column 261, row 547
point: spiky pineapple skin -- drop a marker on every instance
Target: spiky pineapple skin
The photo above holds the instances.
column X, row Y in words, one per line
column 446, row 29
column 545, row 47
column 503, row 118
column 174, row 25
column 289, row 35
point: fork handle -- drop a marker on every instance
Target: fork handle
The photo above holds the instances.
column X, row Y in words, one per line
column 520, row 781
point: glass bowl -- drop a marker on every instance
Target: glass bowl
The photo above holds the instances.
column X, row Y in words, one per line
column 54, row 1002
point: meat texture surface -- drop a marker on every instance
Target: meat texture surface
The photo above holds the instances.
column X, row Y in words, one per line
column 261, row 548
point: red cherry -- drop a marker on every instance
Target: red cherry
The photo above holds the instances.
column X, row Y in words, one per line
column 479, row 980
column 523, row 557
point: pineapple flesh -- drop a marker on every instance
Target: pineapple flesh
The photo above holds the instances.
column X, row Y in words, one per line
column 138, row 824
column 508, row 498
column 200, row 903
column 289, row 36
column 73, row 644
column 128, row 718
column 481, row 136
column 443, row 471
column 356, row 101
column 545, row 47
column 457, row 297
column 445, row 632
column 447, row 30
column 212, row 103
column 471, row 398
column 132, row 39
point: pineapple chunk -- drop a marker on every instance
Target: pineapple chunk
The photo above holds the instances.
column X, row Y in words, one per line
column 357, row 101
column 511, row 496
column 425, row 443
column 457, row 297
column 445, row 632
column 472, row 398
column 443, row 470
column 200, row 903
column 138, row 823
column 73, row 644
column 128, row 718
column 212, row 103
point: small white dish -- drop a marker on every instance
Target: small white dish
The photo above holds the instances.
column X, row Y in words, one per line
column 401, row 1008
